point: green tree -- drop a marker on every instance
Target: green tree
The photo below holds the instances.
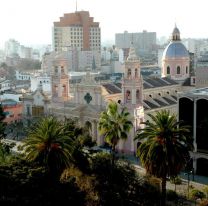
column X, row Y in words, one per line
column 125, row 187
column 48, row 143
column 81, row 140
column 26, row 183
column 165, row 146
column 114, row 124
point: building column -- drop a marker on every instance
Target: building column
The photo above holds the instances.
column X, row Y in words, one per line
column 123, row 95
column 133, row 96
column 132, row 134
column 194, row 126
column 194, row 164
column 94, row 130
column 59, row 90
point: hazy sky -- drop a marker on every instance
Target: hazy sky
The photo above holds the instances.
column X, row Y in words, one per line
column 31, row 21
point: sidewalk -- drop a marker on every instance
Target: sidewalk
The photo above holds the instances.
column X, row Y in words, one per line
column 201, row 180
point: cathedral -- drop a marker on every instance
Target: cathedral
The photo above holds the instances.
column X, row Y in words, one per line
column 142, row 96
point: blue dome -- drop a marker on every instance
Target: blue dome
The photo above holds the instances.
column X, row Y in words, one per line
column 175, row 49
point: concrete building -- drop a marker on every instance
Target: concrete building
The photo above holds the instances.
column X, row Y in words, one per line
column 22, row 75
column 42, row 81
column 201, row 71
column 12, row 48
column 76, row 60
column 193, row 110
column 76, row 30
column 13, row 110
column 5, row 85
column 144, row 42
column 35, row 105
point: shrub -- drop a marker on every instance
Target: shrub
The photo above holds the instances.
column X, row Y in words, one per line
column 175, row 180
column 171, row 195
column 196, row 194
column 206, row 191
column 120, row 184
column 203, row 202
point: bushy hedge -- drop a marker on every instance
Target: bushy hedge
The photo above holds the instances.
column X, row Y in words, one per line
column 196, row 194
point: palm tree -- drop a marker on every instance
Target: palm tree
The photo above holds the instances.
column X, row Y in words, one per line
column 165, row 147
column 114, row 124
column 48, row 143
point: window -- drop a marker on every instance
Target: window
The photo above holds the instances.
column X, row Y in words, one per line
column 136, row 73
column 168, row 70
column 28, row 110
column 178, row 70
column 128, row 95
column 186, row 69
column 137, row 96
column 129, row 73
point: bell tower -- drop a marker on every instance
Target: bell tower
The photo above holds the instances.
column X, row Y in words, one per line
column 60, row 80
column 132, row 97
column 132, row 81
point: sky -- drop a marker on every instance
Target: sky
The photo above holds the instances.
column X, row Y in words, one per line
column 30, row 21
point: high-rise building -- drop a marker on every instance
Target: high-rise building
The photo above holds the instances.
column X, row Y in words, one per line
column 12, row 48
column 144, row 42
column 76, row 30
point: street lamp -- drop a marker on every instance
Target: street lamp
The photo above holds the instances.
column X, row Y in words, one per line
column 188, row 173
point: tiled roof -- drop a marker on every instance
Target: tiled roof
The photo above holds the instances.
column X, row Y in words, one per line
column 111, row 88
column 118, row 85
column 150, row 104
column 162, row 104
column 174, row 97
column 146, row 85
column 169, row 100
column 187, row 82
column 171, row 81
column 157, row 82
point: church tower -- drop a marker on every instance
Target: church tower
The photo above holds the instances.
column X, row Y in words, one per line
column 60, row 79
column 132, row 97
column 132, row 81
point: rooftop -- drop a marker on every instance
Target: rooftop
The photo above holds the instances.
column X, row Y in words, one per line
column 202, row 92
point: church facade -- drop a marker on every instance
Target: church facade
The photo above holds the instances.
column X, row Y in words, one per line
column 87, row 99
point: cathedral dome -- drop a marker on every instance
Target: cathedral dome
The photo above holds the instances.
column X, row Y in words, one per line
column 175, row 49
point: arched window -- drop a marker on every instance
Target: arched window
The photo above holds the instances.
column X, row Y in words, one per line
column 128, row 95
column 129, row 73
column 186, row 69
column 137, row 96
column 88, row 126
column 55, row 93
column 64, row 90
column 56, row 69
column 178, row 70
column 136, row 73
column 168, row 70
